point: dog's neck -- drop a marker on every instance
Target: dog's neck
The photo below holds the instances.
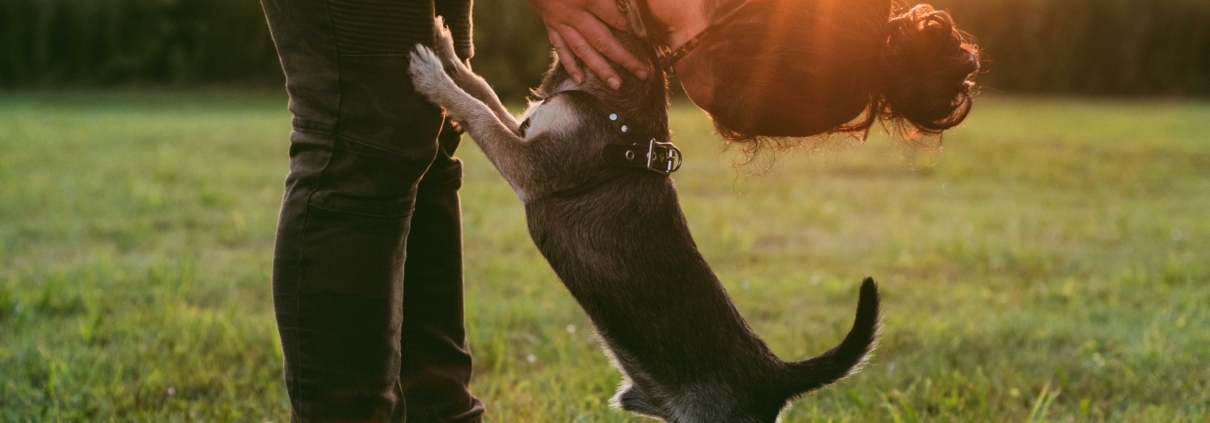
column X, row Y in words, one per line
column 643, row 102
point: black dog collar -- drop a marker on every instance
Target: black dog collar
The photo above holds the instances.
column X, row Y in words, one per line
column 656, row 156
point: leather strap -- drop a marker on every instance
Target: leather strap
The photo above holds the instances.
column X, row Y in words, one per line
column 655, row 156
column 658, row 157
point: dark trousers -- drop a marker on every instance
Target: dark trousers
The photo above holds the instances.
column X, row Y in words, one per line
column 367, row 269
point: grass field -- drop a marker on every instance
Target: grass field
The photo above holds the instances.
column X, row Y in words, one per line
column 1050, row 265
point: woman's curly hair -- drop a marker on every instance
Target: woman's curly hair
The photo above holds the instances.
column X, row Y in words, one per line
column 791, row 69
column 928, row 70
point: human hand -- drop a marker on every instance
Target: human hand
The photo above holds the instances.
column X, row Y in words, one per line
column 578, row 28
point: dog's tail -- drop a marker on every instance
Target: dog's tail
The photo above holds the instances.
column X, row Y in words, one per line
column 848, row 357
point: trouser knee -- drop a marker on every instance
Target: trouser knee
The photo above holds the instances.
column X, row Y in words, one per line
column 364, row 179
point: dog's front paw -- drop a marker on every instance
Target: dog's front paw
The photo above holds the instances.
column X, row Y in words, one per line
column 428, row 74
column 443, row 42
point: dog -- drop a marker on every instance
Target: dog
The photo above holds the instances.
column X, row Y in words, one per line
column 591, row 165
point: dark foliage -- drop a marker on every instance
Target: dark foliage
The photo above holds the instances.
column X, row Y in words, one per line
column 92, row 42
column 1131, row 47
column 1090, row 46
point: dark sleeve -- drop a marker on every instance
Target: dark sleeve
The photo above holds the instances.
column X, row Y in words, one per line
column 457, row 14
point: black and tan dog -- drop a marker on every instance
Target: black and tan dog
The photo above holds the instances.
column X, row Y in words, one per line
column 591, row 166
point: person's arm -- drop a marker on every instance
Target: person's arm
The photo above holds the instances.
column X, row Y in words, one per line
column 578, row 28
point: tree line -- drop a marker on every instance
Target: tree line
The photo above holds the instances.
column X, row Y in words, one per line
column 1085, row 47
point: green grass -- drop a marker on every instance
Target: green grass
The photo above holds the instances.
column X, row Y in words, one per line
column 1049, row 265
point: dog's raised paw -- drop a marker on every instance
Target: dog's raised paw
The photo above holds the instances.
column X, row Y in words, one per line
column 443, row 41
column 428, row 74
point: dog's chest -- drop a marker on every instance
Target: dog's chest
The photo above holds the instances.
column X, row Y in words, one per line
column 554, row 116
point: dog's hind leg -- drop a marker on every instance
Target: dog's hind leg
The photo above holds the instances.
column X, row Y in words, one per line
column 634, row 399
column 500, row 144
column 462, row 75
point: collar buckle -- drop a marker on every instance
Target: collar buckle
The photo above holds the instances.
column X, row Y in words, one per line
column 663, row 157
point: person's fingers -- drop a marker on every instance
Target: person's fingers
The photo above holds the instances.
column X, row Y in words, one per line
column 601, row 39
column 565, row 55
column 591, row 57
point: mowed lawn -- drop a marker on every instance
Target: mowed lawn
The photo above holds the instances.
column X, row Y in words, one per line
column 1051, row 264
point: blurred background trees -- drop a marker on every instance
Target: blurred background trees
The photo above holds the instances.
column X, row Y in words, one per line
column 1085, row 47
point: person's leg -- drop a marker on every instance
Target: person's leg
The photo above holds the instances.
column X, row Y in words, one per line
column 436, row 362
column 362, row 141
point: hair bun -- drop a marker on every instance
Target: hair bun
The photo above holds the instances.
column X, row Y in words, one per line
column 928, row 71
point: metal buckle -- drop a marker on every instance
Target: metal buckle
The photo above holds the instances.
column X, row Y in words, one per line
column 663, row 157
column 663, row 56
